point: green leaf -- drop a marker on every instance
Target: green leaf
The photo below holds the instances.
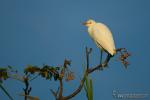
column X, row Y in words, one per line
column 88, row 87
column 91, row 90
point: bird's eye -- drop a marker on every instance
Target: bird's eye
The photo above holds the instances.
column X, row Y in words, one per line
column 89, row 22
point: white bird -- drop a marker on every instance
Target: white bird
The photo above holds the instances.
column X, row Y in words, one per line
column 102, row 36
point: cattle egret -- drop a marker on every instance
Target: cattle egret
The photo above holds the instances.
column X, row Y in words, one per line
column 102, row 36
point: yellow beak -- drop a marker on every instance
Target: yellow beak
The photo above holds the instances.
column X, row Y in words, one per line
column 85, row 23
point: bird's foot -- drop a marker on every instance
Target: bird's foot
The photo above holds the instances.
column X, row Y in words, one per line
column 103, row 66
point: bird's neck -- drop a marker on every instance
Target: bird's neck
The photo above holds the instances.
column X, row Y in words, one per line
column 90, row 30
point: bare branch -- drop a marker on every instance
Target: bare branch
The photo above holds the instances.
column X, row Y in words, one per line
column 61, row 89
column 83, row 79
column 103, row 65
column 92, row 69
column 28, row 89
column 78, row 89
column 54, row 93
column 87, row 56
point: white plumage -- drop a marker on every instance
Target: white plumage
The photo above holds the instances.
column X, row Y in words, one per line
column 101, row 35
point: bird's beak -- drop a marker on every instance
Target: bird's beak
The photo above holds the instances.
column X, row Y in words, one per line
column 85, row 23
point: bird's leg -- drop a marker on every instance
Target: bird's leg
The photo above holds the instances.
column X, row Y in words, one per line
column 101, row 56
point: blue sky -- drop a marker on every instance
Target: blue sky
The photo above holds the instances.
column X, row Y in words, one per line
column 41, row 32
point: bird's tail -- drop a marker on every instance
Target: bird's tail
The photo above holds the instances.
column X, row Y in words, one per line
column 114, row 52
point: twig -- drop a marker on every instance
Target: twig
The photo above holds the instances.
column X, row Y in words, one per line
column 92, row 69
column 27, row 90
column 54, row 93
column 34, row 78
column 84, row 77
column 87, row 56
column 5, row 91
column 88, row 71
column 78, row 89
column 61, row 89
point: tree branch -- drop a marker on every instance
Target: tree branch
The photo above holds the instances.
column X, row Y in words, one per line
column 78, row 89
column 54, row 93
column 124, row 55
column 88, row 71
column 27, row 90
column 103, row 65
column 87, row 58
column 61, row 89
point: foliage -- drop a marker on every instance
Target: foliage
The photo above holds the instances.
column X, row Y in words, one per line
column 58, row 73
column 46, row 71
column 3, row 74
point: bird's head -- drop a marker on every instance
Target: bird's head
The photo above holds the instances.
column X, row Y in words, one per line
column 89, row 23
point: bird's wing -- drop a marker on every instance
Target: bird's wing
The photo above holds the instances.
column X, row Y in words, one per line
column 103, row 36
